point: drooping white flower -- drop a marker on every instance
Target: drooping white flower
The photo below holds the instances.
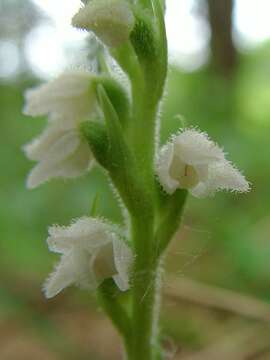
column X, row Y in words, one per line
column 192, row 161
column 111, row 20
column 91, row 252
column 70, row 96
column 60, row 150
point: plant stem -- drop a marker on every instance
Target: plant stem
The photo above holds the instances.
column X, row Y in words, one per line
column 144, row 284
column 144, row 290
column 147, row 83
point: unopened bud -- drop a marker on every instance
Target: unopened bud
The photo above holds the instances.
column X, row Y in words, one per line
column 111, row 20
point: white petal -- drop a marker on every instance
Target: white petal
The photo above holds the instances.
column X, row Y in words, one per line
column 62, row 148
column 221, row 176
column 123, row 259
column 111, row 20
column 69, row 95
column 62, row 277
column 87, row 233
column 91, row 232
column 72, row 166
column 163, row 165
column 38, row 175
column 59, row 244
column 38, row 148
column 196, row 148
column 202, row 171
column 69, row 84
column 77, row 163
column 53, row 145
column 224, row 176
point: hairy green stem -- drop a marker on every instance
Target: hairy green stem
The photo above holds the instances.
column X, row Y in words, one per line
column 145, row 268
column 147, row 73
column 144, row 289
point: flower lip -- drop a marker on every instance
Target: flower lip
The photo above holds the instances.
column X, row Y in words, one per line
column 102, row 265
column 186, row 175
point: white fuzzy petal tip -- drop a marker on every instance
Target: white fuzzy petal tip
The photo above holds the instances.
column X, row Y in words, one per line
column 111, row 20
column 62, row 277
column 91, row 252
column 192, row 161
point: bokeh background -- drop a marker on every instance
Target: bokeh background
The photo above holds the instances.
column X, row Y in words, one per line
column 217, row 289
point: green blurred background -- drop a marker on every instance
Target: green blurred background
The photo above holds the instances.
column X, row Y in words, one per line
column 223, row 242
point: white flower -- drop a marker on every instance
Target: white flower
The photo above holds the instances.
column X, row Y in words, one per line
column 111, row 20
column 192, row 161
column 70, row 96
column 91, row 252
column 60, row 150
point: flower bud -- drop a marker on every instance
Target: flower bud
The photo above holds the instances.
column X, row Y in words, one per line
column 111, row 20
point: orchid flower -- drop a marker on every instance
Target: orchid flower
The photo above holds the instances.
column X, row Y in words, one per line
column 192, row 161
column 91, row 252
column 60, row 150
